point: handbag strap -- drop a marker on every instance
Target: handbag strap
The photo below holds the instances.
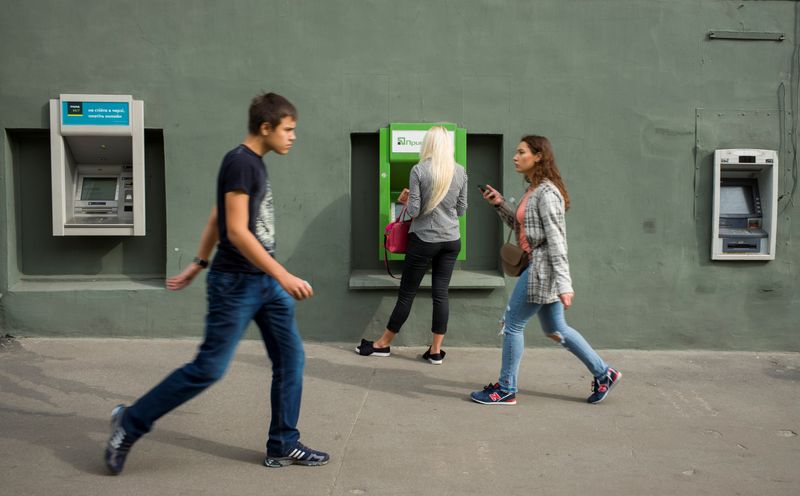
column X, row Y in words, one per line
column 508, row 238
column 386, row 261
column 403, row 213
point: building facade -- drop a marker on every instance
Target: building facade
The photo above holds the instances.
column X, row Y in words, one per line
column 635, row 96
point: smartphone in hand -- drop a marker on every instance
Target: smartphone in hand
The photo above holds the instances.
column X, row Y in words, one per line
column 482, row 188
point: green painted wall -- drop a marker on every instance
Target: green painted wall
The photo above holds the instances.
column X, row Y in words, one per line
column 633, row 94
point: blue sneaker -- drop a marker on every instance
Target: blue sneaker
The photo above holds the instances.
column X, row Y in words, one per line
column 119, row 442
column 493, row 395
column 601, row 386
column 299, row 455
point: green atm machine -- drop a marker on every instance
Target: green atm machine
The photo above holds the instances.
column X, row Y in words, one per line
column 400, row 145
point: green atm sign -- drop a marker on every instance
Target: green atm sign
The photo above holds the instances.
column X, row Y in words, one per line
column 407, row 141
column 410, row 140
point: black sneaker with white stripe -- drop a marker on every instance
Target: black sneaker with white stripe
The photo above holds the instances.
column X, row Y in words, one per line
column 367, row 348
column 434, row 358
column 299, row 455
column 119, row 442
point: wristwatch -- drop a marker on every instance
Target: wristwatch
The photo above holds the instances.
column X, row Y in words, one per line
column 202, row 263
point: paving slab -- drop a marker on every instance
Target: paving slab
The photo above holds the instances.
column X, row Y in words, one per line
column 680, row 422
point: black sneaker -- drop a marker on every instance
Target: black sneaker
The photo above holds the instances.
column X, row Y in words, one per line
column 434, row 358
column 493, row 395
column 602, row 386
column 366, row 349
column 300, row 455
column 119, row 442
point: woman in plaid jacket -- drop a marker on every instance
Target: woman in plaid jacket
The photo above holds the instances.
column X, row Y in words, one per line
column 545, row 286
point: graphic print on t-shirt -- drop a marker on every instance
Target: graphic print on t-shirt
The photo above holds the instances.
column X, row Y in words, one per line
column 265, row 221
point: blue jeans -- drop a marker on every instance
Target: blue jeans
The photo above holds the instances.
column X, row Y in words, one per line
column 233, row 300
column 551, row 316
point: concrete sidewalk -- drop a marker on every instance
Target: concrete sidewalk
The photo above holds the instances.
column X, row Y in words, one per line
column 679, row 423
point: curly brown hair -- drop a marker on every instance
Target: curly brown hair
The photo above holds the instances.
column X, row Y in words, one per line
column 546, row 168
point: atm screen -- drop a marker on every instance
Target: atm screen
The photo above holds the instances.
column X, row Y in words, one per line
column 99, row 188
column 736, row 199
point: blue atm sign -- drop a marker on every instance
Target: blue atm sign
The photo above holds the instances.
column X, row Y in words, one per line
column 95, row 114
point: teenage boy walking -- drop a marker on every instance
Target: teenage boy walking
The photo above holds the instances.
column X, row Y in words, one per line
column 245, row 282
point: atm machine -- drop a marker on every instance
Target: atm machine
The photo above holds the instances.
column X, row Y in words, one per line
column 97, row 165
column 745, row 204
column 400, row 145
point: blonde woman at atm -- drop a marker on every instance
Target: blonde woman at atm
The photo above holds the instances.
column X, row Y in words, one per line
column 436, row 197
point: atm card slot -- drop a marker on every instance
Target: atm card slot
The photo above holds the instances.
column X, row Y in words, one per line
column 741, row 245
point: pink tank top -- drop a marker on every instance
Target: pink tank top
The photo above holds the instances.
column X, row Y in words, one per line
column 523, row 240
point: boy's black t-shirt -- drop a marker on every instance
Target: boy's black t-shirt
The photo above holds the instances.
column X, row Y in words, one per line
column 244, row 170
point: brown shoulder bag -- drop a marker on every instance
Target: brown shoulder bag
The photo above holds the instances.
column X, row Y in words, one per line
column 513, row 258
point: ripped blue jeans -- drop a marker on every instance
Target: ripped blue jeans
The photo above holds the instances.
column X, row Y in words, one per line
column 551, row 316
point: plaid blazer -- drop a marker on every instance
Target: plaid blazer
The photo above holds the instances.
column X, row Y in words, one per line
column 546, row 231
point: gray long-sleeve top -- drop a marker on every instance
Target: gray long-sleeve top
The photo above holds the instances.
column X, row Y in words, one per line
column 441, row 223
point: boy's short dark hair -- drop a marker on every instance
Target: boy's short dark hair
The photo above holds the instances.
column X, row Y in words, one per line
column 269, row 108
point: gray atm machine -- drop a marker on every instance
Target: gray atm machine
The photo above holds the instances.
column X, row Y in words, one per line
column 97, row 165
column 745, row 204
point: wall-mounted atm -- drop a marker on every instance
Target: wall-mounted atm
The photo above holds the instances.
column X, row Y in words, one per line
column 400, row 145
column 97, row 165
column 745, row 204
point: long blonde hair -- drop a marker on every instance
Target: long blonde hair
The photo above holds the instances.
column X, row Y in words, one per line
column 438, row 147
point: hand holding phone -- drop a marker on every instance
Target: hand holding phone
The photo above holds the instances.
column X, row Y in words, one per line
column 490, row 194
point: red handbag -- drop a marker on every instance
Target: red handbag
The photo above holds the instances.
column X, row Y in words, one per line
column 395, row 238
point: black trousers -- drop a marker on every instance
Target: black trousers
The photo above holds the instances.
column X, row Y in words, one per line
column 419, row 256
